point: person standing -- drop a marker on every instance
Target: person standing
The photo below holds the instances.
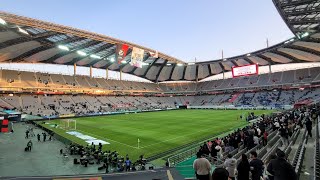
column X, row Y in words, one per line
column 265, row 138
column 230, row 164
column 38, row 136
column 106, row 165
column 214, row 152
column 44, row 137
column 309, row 127
column 31, row 132
column 100, row 147
column 256, row 166
column 255, row 140
column 128, row 164
column 280, row 169
column 202, row 167
column 29, row 145
column 269, row 175
column 284, row 135
column 243, row 168
column 27, row 134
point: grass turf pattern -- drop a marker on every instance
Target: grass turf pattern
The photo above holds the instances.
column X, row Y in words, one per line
column 157, row 131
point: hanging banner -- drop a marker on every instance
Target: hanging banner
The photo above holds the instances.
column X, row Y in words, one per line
column 137, row 57
column 121, row 52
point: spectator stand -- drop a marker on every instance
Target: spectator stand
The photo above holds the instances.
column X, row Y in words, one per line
column 298, row 157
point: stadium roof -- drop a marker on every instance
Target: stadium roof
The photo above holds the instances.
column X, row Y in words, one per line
column 24, row 39
column 300, row 15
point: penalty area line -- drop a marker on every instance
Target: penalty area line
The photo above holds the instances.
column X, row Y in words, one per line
column 107, row 139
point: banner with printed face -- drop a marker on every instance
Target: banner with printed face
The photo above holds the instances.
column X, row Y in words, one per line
column 121, row 52
column 154, row 54
column 137, row 57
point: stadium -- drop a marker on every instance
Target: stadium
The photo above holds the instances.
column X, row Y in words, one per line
column 75, row 125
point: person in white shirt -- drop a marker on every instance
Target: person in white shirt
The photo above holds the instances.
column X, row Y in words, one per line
column 277, row 124
column 219, row 154
column 259, row 132
column 202, row 167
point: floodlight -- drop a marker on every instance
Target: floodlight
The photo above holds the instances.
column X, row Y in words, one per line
column 168, row 64
column 63, row 47
column 95, row 56
column 249, row 54
column 111, row 60
column 23, row 31
column 179, row 64
column 123, row 62
column 3, row 22
column 81, row 53
column 306, row 34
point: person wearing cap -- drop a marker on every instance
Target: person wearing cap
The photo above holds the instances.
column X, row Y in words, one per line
column 280, row 169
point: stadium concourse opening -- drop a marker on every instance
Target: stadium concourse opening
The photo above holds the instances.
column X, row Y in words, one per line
column 81, row 105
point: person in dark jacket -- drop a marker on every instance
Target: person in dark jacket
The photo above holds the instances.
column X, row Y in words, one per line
column 284, row 135
column 280, row 168
column 29, row 145
column 309, row 127
column 214, row 152
column 256, row 166
column 243, row 168
column 220, row 174
column 44, row 137
column 270, row 176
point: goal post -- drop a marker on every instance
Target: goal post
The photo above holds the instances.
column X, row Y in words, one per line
column 68, row 124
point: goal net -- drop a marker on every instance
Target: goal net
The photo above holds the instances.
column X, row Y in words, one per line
column 68, row 124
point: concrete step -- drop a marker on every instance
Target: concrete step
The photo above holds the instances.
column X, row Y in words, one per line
column 307, row 170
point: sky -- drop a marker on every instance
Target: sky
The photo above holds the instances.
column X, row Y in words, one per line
column 185, row 29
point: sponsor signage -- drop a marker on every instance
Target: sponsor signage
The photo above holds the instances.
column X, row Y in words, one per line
column 246, row 70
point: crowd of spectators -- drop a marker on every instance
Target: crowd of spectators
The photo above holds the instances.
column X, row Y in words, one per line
column 218, row 151
column 249, row 136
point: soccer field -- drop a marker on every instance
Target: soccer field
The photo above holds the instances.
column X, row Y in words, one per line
column 157, row 131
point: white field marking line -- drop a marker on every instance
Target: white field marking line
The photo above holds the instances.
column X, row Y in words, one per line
column 107, row 139
column 169, row 175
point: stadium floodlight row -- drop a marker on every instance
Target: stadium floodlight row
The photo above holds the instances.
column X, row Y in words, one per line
column 29, row 40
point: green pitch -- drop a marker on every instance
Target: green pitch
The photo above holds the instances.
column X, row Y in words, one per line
column 157, row 131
